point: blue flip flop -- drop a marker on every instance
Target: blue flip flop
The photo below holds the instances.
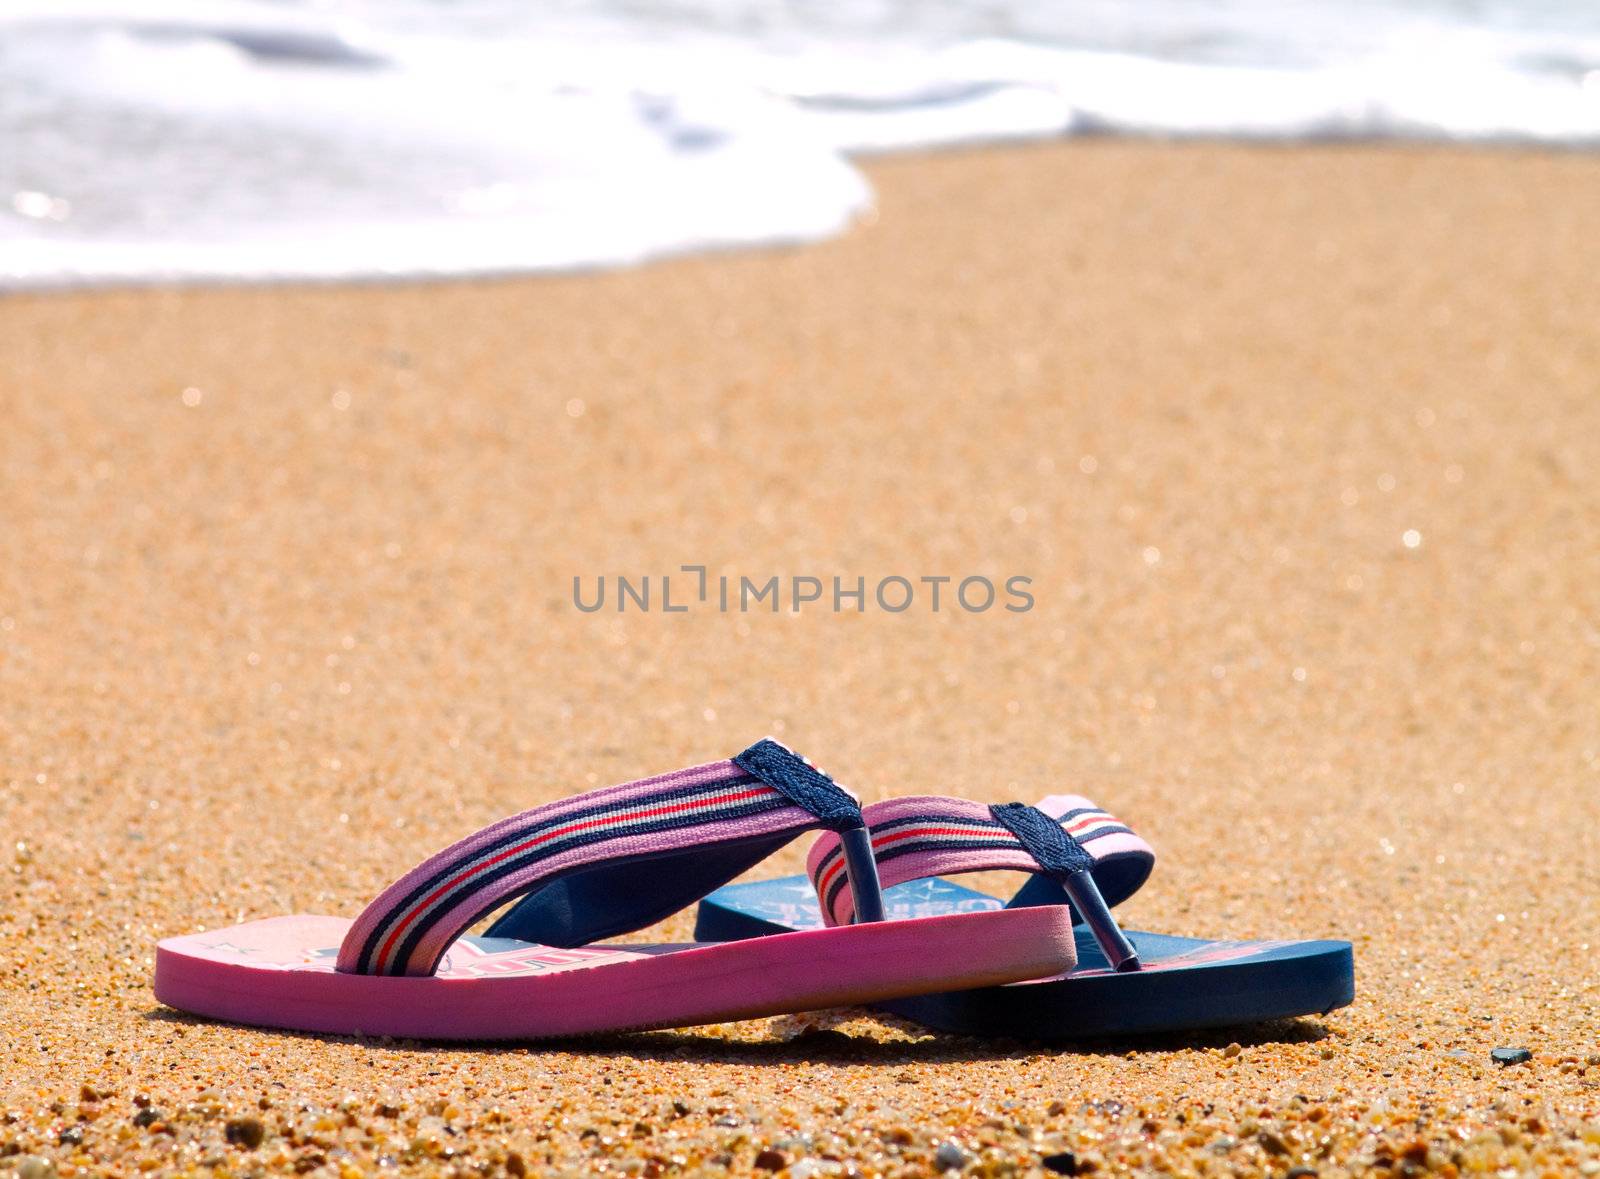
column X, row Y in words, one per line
column 1124, row 983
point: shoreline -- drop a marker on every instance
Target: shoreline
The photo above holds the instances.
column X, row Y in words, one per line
column 866, row 161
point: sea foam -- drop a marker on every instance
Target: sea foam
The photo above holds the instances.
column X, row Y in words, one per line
column 247, row 141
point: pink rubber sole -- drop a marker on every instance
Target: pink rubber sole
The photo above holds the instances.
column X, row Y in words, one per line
column 280, row 973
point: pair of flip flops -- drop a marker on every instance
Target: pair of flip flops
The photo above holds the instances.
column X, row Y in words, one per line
column 876, row 923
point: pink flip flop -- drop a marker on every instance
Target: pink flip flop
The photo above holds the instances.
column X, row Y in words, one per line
column 587, row 868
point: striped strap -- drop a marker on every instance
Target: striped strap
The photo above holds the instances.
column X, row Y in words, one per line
column 927, row 835
column 764, row 797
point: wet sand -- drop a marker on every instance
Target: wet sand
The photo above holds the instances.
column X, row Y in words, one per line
column 1300, row 448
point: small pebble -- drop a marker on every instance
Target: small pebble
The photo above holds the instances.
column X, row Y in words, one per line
column 1511, row 1055
column 245, row 1132
column 147, row 1116
column 950, row 1157
column 1062, row 1163
column 771, row 1160
column 34, row 1167
column 1272, row 1143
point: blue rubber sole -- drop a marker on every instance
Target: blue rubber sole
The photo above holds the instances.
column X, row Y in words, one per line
column 1186, row 983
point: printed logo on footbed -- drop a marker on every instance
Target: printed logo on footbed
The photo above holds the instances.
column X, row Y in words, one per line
column 1211, row 952
column 468, row 958
column 792, row 902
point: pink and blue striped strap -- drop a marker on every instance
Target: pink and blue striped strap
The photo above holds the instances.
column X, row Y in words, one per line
column 715, row 820
column 1079, row 854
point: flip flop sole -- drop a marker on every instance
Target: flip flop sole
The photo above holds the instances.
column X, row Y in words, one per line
column 280, row 973
column 1186, row 983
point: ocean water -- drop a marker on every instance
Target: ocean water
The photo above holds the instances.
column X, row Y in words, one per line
column 359, row 139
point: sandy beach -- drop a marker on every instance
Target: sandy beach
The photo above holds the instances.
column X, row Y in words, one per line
column 1299, row 447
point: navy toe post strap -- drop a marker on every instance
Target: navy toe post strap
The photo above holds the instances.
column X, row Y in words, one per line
column 1062, row 859
column 836, row 809
column 1075, row 853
